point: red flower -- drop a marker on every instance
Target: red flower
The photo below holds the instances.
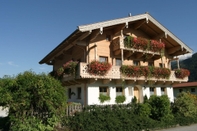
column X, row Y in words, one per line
column 182, row 73
column 99, row 68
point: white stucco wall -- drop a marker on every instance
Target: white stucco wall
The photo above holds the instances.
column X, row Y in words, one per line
column 92, row 94
column 74, row 97
column 3, row 112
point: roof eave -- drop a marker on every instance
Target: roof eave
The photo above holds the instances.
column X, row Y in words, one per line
column 50, row 55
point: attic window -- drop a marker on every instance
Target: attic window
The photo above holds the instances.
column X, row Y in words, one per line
column 108, row 37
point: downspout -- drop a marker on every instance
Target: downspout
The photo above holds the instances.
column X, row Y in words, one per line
column 122, row 54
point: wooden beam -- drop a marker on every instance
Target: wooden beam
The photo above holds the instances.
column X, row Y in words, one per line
column 130, row 82
column 139, row 24
column 159, row 36
column 94, row 34
column 106, row 81
column 118, row 29
column 140, row 82
column 139, row 55
column 128, row 54
column 84, row 35
column 173, row 50
column 118, row 81
column 90, row 81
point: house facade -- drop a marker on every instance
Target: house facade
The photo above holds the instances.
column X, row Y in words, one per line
column 190, row 87
column 128, row 57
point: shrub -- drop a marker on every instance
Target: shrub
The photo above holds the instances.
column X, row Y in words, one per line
column 185, row 105
column 120, row 99
column 104, row 98
column 35, row 102
column 160, row 108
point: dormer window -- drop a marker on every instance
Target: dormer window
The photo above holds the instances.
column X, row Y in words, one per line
column 108, row 37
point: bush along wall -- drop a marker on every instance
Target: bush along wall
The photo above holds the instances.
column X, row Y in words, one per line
column 155, row 113
column 134, row 116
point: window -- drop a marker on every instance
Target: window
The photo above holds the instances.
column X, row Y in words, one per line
column 193, row 90
column 69, row 93
column 118, row 62
column 119, row 91
column 180, row 90
column 103, row 90
column 79, row 93
column 152, row 90
column 162, row 90
column 161, row 65
column 108, row 37
column 136, row 63
column 150, row 63
column 103, row 59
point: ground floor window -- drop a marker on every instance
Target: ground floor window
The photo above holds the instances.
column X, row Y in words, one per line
column 79, row 93
column 152, row 91
column 180, row 90
column 104, row 90
column 163, row 91
column 193, row 90
column 119, row 91
column 69, row 93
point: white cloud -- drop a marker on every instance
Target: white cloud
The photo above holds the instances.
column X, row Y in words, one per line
column 12, row 63
column 186, row 56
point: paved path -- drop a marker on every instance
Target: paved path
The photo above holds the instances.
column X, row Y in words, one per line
column 182, row 128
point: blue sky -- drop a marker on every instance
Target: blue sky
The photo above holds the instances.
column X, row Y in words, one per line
column 30, row 29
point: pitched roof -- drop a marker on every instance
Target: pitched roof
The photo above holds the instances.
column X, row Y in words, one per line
column 187, row 84
column 152, row 27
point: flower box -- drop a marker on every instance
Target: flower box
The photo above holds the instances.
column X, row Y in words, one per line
column 144, row 44
column 98, row 68
column 147, row 71
column 181, row 73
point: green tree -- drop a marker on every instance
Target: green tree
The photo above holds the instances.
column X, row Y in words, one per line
column 185, row 105
column 35, row 101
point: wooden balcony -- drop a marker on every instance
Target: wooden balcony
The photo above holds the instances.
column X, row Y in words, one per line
column 114, row 75
column 132, row 53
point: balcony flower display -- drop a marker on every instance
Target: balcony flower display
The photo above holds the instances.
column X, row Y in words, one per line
column 99, row 68
column 156, row 46
column 143, row 44
column 182, row 73
column 68, row 68
column 146, row 71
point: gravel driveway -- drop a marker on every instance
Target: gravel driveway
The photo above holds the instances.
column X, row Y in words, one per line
column 182, row 128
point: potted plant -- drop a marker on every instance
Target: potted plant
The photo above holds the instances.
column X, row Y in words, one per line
column 120, row 99
column 99, row 68
column 104, row 98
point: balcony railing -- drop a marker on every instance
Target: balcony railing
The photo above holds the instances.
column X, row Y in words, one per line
column 115, row 74
column 118, row 43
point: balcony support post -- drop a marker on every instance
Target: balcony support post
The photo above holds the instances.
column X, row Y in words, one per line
column 122, row 55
